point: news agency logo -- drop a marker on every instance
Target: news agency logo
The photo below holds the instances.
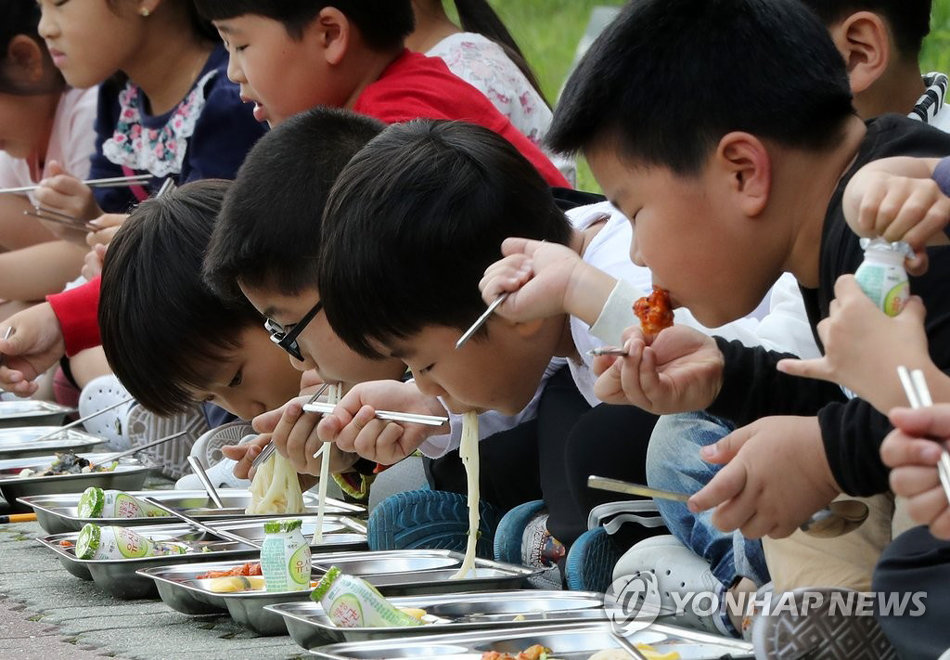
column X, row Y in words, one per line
column 633, row 602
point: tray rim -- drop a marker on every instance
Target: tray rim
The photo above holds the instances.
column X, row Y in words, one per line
column 337, row 651
column 44, row 408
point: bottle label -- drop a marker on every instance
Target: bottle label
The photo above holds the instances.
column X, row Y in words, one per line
column 886, row 285
column 285, row 562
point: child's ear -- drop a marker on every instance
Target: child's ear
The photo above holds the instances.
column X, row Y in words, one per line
column 27, row 56
column 864, row 42
column 744, row 161
column 333, row 31
column 527, row 329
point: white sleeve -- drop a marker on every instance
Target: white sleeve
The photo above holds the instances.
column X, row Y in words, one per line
column 617, row 314
column 786, row 327
column 490, row 422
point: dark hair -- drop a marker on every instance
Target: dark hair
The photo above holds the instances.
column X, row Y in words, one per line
column 268, row 231
column 479, row 16
column 23, row 17
column 668, row 78
column 162, row 327
column 413, row 221
column 384, row 24
column 909, row 20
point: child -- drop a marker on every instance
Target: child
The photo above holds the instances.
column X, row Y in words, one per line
column 42, row 123
column 751, row 187
column 880, row 43
column 169, row 339
column 292, row 56
column 187, row 125
column 487, row 57
column 422, row 302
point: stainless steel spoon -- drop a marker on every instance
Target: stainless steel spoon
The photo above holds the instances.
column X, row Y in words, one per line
column 839, row 517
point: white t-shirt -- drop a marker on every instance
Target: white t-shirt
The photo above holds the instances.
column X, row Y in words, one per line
column 484, row 65
column 72, row 141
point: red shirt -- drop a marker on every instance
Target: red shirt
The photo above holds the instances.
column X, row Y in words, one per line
column 418, row 87
column 77, row 311
column 412, row 87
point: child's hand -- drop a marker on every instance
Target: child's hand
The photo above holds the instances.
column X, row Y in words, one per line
column 294, row 433
column 35, row 345
column 898, row 208
column 110, row 223
column 92, row 262
column 913, row 456
column 775, row 478
column 862, row 343
column 354, row 427
column 244, row 454
column 680, row 371
column 543, row 280
column 65, row 193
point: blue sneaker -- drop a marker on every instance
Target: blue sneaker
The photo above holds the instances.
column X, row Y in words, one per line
column 432, row 519
column 590, row 563
column 522, row 538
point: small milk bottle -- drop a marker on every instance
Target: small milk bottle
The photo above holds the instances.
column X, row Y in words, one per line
column 285, row 556
column 352, row 602
column 882, row 276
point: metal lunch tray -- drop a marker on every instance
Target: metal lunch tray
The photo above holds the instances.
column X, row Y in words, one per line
column 129, row 474
column 57, row 513
column 570, row 642
column 310, row 627
column 30, row 412
column 393, row 572
column 17, row 442
column 118, row 576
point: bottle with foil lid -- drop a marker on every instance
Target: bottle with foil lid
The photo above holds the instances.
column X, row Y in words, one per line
column 285, row 556
column 111, row 542
column 98, row 503
column 351, row 602
column 882, row 276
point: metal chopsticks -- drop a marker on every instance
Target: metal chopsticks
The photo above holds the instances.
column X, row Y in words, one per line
column 115, row 181
column 270, row 448
column 918, row 394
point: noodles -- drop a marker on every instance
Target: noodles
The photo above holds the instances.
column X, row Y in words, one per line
column 468, row 451
column 275, row 488
column 333, row 396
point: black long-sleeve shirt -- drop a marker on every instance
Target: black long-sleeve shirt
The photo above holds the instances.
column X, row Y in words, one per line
column 852, row 430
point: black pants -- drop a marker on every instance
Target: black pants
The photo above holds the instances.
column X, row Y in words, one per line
column 916, row 562
column 551, row 457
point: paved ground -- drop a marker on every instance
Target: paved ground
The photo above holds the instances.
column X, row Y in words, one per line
column 47, row 613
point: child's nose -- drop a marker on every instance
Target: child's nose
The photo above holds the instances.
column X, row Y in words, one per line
column 235, row 73
column 427, row 386
column 635, row 253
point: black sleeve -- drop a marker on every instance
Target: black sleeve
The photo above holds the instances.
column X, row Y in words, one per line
column 752, row 388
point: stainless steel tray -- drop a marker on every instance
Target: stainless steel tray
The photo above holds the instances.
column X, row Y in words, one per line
column 118, row 576
column 129, row 474
column 394, row 573
column 310, row 627
column 57, row 513
column 29, row 412
column 566, row 643
column 20, row 441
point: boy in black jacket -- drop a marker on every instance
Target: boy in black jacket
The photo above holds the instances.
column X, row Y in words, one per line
column 724, row 130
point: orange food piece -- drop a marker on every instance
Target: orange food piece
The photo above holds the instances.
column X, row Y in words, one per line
column 531, row 653
column 246, row 569
column 66, row 543
column 654, row 311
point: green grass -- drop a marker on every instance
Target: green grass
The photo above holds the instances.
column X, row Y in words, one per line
column 548, row 32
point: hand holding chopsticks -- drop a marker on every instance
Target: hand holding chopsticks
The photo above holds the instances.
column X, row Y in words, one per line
column 111, row 182
column 918, row 394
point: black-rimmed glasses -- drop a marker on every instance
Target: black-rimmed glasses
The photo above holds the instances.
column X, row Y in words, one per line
column 287, row 340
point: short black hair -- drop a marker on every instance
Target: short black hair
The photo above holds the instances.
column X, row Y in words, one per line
column 414, row 220
column 384, row 24
column 909, row 20
column 162, row 327
column 23, row 17
column 668, row 78
column 268, row 230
